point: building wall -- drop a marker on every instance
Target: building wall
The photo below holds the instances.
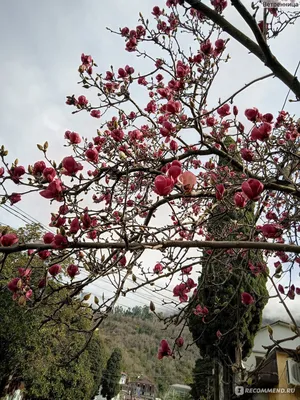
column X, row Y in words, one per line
column 283, row 381
column 262, row 338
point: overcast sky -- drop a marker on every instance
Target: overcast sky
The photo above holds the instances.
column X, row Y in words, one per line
column 41, row 44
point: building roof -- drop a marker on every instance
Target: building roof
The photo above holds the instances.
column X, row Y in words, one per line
column 143, row 380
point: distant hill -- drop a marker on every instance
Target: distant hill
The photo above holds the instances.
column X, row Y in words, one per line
column 138, row 333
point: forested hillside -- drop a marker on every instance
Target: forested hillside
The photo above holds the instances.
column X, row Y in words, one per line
column 138, row 333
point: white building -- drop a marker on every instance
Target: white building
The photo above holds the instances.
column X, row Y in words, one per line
column 281, row 330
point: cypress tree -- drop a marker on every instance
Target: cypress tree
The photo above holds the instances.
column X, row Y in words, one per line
column 111, row 375
column 225, row 276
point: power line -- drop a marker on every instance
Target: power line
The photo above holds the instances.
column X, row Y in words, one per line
column 34, row 219
column 27, row 218
column 289, row 91
column 15, row 215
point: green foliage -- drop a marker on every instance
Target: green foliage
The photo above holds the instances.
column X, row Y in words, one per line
column 139, row 350
column 39, row 354
column 203, row 382
column 111, row 376
column 225, row 275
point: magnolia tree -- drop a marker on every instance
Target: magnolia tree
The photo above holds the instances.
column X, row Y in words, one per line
column 156, row 153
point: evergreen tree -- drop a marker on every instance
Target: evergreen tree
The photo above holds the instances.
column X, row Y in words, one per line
column 111, row 376
column 203, row 383
column 225, row 276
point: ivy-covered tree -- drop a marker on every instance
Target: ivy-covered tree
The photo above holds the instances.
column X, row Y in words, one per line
column 111, row 376
column 231, row 293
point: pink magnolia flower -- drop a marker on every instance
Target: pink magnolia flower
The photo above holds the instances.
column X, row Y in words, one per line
column 220, row 46
column 64, row 209
column 181, row 291
column 151, row 107
column 48, row 238
column 123, row 261
column 187, row 270
column 219, row 334
column 271, row 231
column 82, row 101
column 251, row 114
column 247, row 299
column 247, row 154
column 188, row 181
column 2, row 170
column 73, row 137
column 179, row 341
column 252, row 188
column 86, row 59
column 72, row 270
column 224, row 110
column 219, row 5
column 173, row 145
column 163, row 185
column 44, row 254
column 158, row 268
column 164, row 350
column 14, row 198
column 156, row 11
column 268, row 117
column 60, row 241
column 173, row 107
column 49, row 174
column 257, row 269
column 262, row 133
column 92, row 155
column 54, row 270
column 201, row 311
column 74, row 226
column 220, row 190
column 9, row 239
column 53, row 191
column 240, row 199
column 235, row 110
column 182, row 70
column 174, row 170
column 70, row 166
column 16, row 173
column 95, row 113
column 291, row 292
column 38, row 167
column 190, row 284
column 14, row 284
column 117, row 134
column 28, row 294
column 281, row 289
column 206, row 47
column 24, row 272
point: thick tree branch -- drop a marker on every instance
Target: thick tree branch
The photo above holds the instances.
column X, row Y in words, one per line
column 161, row 245
column 260, row 50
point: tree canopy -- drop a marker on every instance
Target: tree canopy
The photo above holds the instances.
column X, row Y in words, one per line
column 41, row 354
column 150, row 178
